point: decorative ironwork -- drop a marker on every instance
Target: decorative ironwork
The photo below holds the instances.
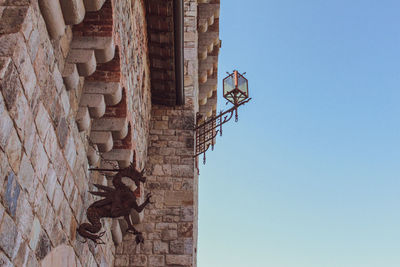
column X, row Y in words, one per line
column 117, row 202
column 236, row 92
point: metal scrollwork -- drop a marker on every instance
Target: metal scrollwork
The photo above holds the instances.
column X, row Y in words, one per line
column 207, row 131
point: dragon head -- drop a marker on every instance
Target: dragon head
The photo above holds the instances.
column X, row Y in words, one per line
column 140, row 176
column 134, row 174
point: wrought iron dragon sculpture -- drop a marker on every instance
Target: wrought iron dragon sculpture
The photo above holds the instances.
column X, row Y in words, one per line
column 117, row 202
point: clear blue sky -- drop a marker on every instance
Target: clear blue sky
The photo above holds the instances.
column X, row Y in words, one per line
column 310, row 175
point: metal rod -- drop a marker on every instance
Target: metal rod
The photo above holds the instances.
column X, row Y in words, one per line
column 222, row 114
column 206, row 132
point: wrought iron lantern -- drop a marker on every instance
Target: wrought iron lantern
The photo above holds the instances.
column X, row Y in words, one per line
column 236, row 91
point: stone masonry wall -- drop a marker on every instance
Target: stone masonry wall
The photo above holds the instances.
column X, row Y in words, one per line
column 44, row 177
column 170, row 223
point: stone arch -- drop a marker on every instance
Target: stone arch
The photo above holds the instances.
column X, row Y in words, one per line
column 61, row 256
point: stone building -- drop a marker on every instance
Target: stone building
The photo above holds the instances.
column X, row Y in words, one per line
column 102, row 83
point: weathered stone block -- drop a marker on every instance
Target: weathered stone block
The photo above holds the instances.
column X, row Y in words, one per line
column 30, row 133
column 45, row 60
column 166, row 151
column 187, row 214
column 57, row 234
column 170, row 219
column 160, row 125
column 26, row 173
column 22, row 255
column 162, row 226
column 74, row 203
column 147, row 247
column 13, row 150
column 25, row 69
column 62, row 131
column 39, row 159
column 185, row 229
column 148, row 227
column 4, row 261
column 159, row 143
column 58, row 196
column 179, row 198
column 5, row 64
column 168, row 235
column 137, row 260
column 170, row 134
column 188, row 246
column 153, row 236
column 129, row 246
column 60, row 169
column 177, row 247
column 50, row 182
column 12, row 19
column 189, row 160
column 157, row 170
column 182, row 170
column 176, row 144
column 42, row 121
column 175, row 212
column 56, row 110
column 184, row 152
column 41, row 202
column 68, row 185
column 122, row 260
column 32, row 261
column 172, row 160
column 33, row 44
column 4, row 170
column 65, row 214
column 65, row 103
column 6, row 126
column 160, row 247
column 180, row 260
column 18, row 114
column 70, row 152
column 8, row 43
column 24, row 216
column 8, row 236
column 32, row 193
column 51, row 145
column 156, row 260
column 12, row 194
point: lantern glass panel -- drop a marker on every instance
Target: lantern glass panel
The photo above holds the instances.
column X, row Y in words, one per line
column 243, row 88
column 229, row 86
